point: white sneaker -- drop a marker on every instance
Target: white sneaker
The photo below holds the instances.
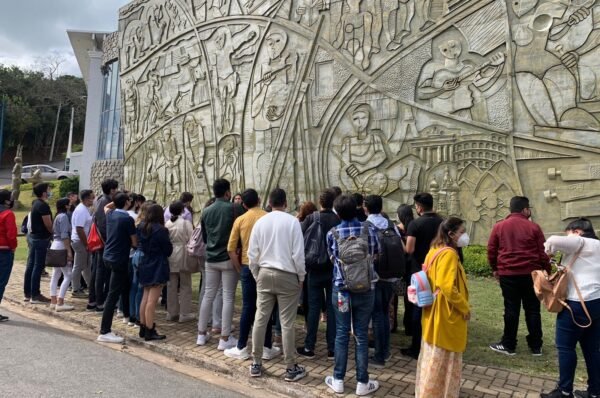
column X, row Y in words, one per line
column 270, row 353
column 367, row 388
column 132, row 324
column 64, row 307
column 110, row 338
column 236, row 353
column 203, row 339
column 119, row 314
column 230, row 343
column 336, row 385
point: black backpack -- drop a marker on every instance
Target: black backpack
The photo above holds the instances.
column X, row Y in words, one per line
column 315, row 248
column 391, row 262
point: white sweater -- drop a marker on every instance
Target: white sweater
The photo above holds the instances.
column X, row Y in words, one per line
column 585, row 270
column 276, row 242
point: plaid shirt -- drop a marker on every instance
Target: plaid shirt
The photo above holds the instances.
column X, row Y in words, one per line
column 346, row 229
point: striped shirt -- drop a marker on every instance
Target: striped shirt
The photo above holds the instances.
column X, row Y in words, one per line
column 345, row 230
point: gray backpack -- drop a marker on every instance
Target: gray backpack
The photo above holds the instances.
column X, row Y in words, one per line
column 355, row 261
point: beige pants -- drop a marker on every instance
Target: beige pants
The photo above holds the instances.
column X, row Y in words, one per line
column 179, row 294
column 274, row 286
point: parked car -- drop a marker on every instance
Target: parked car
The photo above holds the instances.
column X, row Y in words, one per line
column 48, row 173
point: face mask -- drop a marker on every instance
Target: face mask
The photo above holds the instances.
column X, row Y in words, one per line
column 49, row 194
column 463, row 241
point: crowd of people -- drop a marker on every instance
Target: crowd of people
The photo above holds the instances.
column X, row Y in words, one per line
column 345, row 262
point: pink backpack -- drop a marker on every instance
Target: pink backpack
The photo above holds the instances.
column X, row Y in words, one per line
column 195, row 246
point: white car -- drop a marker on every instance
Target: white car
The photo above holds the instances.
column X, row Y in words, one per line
column 49, row 173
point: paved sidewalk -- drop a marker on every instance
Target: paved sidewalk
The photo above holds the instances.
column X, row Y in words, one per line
column 396, row 380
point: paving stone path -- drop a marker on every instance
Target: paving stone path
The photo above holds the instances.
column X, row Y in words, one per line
column 396, row 380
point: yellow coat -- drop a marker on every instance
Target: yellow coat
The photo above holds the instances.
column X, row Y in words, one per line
column 443, row 323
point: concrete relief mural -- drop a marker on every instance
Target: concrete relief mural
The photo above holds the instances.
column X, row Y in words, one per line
column 474, row 101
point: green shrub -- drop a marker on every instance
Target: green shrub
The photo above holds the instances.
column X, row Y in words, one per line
column 475, row 261
column 68, row 185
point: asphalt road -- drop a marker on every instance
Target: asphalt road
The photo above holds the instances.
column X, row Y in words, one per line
column 40, row 361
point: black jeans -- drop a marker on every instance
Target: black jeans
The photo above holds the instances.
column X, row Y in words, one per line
column 119, row 287
column 518, row 289
column 102, row 280
column 316, row 284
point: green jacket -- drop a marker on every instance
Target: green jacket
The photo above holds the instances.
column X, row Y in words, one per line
column 217, row 221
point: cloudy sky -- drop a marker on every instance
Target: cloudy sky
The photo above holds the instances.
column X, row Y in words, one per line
column 36, row 28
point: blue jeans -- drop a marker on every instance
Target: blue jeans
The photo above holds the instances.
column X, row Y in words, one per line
column 384, row 293
column 35, row 265
column 361, row 308
column 7, row 258
column 249, row 310
column 567, row 336
column 317, row 282
column 135, row 293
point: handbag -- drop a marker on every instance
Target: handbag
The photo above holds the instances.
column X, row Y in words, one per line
column 94, row 240
column 551, row 290
column 56, row 258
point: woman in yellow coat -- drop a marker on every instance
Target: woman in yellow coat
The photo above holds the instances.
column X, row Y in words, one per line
column 445, row 322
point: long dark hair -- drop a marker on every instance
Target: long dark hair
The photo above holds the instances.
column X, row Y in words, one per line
column 62, row 205
column 405, row 215
column 443, row 237
column 585, row 225
column 154, row 215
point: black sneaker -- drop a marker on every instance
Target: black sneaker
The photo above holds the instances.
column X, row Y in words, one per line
column 499, row 347
column 305, row 353
column 557, row 393
column 295, row 373
column 536, row 352
column 585, row 394
column 99, row 308
column 255, row 370
column 408, row 352
column 330, row 355
column 91, row 307
column 3, row 318
column 373, row 363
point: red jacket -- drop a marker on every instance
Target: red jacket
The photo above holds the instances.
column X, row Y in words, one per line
column 8, row 230
column 516, row 247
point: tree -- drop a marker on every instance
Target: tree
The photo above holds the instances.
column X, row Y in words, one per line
column 49, row 64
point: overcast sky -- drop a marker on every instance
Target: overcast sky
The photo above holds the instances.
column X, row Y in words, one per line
column 35, row 28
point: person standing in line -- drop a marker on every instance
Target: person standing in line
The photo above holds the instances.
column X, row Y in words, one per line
column 360, row 211
column 179, row 289
column 81, row 222
column 515, row 249
column 420, row 233
column 405, row 217
column 388, row 275
column 8, row 241
column 445, row 322
column 135, row 291
column 99, row 284
column 353, row 310
column 73, row 202
column 121, row 237
column 217, row 222
column 153, row 270
column 276, row 256
column 186, row 198
column 580, row 247
column 61, row 241
column 240, row 236
column 40, row 234
column 319, row 280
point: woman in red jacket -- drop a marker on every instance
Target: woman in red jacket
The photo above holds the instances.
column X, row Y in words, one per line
column 8, row 241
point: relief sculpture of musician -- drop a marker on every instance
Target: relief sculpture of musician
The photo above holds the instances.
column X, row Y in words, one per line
column 450, row 85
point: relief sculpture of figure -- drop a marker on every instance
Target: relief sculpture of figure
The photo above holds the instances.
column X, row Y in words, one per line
column 355, row 34
column 423, row 12
column 154, row 108
column 131, row 112
column 449, row 84
column 218, row 8
column 374, row 7
column 224, row 77
column 556, row 54
column 159, row 23
column 270, row 93
column 229, row 161
column 307, row 11
column 172, row 159
column 398, row 17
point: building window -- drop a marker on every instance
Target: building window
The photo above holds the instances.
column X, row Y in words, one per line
column 110, row 142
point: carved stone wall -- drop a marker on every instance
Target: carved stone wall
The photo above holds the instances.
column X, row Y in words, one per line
column 103, row 169
column 473, row 100
column 110, row 48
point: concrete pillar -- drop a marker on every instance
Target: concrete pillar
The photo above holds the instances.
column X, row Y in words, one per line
column 92, row 118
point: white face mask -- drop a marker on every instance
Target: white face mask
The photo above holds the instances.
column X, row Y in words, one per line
column 463, row 241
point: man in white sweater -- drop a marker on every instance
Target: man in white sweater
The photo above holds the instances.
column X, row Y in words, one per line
column 276, row 256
